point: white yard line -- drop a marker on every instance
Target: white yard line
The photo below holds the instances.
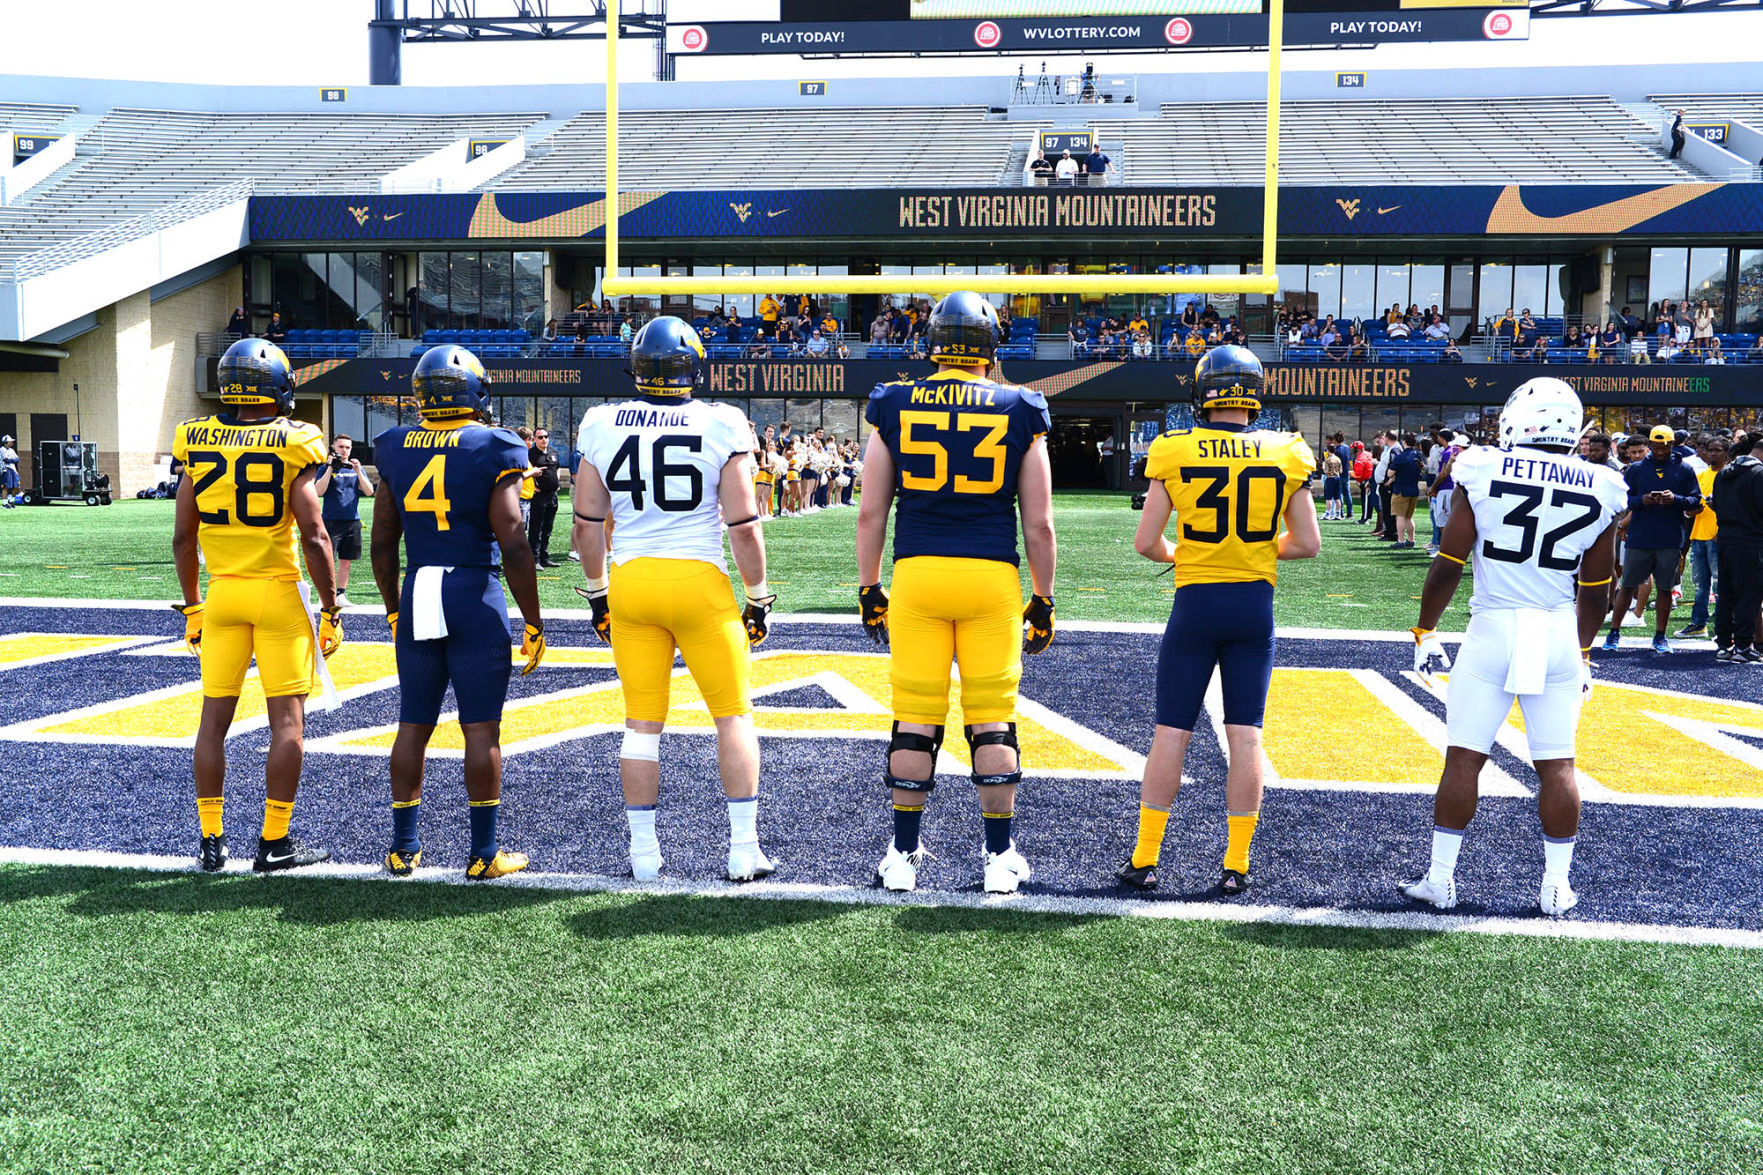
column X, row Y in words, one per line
column 1021, row 903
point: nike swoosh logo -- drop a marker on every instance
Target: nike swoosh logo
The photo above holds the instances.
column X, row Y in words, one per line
column 391, row 216
column 488, row 219
column 1509, row 214
column 272, row 859
column 1386, row 211
column 779, row 212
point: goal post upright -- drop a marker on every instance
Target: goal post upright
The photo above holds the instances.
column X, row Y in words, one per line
column 1265, row 282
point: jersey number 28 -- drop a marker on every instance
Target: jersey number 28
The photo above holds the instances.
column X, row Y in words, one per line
column 627, row 475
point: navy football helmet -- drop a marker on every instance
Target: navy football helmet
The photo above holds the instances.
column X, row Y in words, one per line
column 964, row 330
column 450, row 383
column 1228, row 377
column 255, row 371
column 667, row 358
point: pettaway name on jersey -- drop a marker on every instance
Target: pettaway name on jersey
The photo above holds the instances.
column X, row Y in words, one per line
column 1574, row 474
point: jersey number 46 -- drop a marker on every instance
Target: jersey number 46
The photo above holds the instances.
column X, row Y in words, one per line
column 631, row 474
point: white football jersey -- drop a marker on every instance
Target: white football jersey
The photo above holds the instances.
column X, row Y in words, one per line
column 1536, row 514
column 662, row 463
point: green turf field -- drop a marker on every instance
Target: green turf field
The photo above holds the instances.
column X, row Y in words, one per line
column 187, row 1024
column 124, row 552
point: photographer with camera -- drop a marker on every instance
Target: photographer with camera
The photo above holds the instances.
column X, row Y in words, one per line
column 342, row 483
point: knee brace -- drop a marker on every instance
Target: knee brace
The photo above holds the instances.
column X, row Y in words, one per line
column 994, row 738
column 902, row 741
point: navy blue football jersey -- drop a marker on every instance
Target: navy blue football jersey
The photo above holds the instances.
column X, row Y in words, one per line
column 441, row 475
column 957, row 441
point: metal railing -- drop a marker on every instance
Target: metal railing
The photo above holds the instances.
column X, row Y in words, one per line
column 1112, row 179
column 52, row 257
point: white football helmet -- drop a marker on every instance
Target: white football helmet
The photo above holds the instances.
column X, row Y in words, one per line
column 1542, row 411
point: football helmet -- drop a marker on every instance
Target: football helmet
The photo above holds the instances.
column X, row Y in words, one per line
column 1228, row 377
column 1542, row 411
column 964, row 330
column 667, row 358
column 450, row 383
column 255, row 371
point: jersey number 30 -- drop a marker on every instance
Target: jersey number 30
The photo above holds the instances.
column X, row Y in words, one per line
column 626, row 475
column 1213, row 497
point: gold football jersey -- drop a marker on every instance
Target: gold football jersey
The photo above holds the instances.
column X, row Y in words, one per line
column 1230, row 488
column 242, row 474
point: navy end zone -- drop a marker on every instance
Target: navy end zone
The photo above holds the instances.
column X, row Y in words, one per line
column 96, row 695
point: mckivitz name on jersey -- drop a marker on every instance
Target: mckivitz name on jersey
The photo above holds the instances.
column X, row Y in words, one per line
column 1573, row 474
column 650, row 418
column 957, row 395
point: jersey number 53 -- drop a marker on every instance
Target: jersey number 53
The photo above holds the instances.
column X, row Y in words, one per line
column 976, row 436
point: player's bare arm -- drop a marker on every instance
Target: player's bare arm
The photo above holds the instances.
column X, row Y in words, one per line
column 1597, row 570
column 740, row 512
column 518, row 567
column 1302, row 536
column 1446, row 572
column 593, row 505
column 386, row 552
column 1151, row 541
column 1034, row 502
column 315, row 541
column 873, row 512
column 183, row 543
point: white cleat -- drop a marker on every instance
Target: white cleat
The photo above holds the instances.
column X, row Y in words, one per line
column 646, row 863
column 1557, row 898
column 899, row 871
column 1006, row 870
column 1440, row 897
column 748, row 862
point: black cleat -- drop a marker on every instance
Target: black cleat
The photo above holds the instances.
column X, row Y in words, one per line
column 212, row 857
column 1233, row 884
column 1137, row 876
column 287, row 853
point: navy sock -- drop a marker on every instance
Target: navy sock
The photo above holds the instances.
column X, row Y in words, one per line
column 998, row 831
column 404, row 839
column 906, row 822
column 483, row 828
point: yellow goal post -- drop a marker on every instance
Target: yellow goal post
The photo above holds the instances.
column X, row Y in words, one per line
column 1265, row 282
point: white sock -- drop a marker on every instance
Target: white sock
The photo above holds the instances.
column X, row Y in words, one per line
column 1557, row 857
column 642, row 823
column 743, row 821
column 1445, row 843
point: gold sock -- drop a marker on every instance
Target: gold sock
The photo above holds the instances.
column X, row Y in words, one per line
column 208, row 812
column 276, row 816
column 1152, row 822
column 1242, row 831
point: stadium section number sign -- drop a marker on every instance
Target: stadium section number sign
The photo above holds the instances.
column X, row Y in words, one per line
column 811, row 89
column 25, row 146
column 1714, row 132
column 334, row 94
column 1350, row 81
column 479, row 147
column 1076, row 142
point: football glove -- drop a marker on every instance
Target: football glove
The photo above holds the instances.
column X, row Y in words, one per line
column 874, row 602
column 392, row 619
column 602, row 611
column 754, row 616
column 1429, row 653
column 1037, row 620
column 330, row 630
column 192, row 614
column 532, row 647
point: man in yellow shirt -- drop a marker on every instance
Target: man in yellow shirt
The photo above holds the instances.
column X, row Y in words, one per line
column 251, row 474
column 1229, row 485
column 768, row 311
column 1704, row 549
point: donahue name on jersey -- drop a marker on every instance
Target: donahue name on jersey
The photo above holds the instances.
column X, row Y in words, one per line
column 242, row 474
column 1230, row 486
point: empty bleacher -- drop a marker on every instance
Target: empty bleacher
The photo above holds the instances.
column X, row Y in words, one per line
column 1745, row 108
column 33, row 116
column 841, row 147
column 1441, row 141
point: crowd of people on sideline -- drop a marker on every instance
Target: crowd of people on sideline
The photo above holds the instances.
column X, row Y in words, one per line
column 796, row 475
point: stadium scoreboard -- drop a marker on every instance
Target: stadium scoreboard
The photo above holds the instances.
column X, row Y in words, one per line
column 1031, row 26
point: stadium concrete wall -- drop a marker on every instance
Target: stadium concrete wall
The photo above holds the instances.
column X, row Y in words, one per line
column 137, row 378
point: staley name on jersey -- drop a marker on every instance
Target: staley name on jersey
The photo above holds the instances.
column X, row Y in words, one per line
column 1237, row 447
column 1567, row 473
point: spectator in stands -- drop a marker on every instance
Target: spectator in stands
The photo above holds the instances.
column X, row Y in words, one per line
column 731, row 333
column 829, row 326
column 1738, row 502
column 549, row 334
column 1527, row 326
column 277, row 333
column 1437, row 331
column 816, row 346
column 1142, row 347
column 1755, row 354
column 1397, row 331
column 1676, row 136
column 760, row 348
column 1713, row 353
column 1337, row 348
column 342, row 483
column 1573, row 342
column 1065, row 170
column 1631, row 325
column 1079, row 337
column 1137, row 323
column 1096, row 166
column 1414, row 317
column 1668, row 349
column 1637, row 349
column 1040, row 169
column 1506, row 326
column 1357, row 351
column 768, row 312
column 879, row 326
column 237, row 327
column 1704, row 325
column 792, row 309
column 788, row 340
column 717, row 319
column 1704, row 553
column 626, row 330
column 1451, row 354
column 1310, row 331
column 1190, row 316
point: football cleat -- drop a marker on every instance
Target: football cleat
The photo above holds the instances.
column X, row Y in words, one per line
column 1137, row 877
column 402, row 864
column 213, row 855
column 1439, row 896
column 1006, row 870
column 1231, row 883
column 1556, row 898
column 646, row 863
column 899, row 871
column 501, row 865
column 748, row 862
column 273, row 856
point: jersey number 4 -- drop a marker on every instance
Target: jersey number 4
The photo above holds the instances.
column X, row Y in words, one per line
column 626, row 475
column 428, row 493
column 1524, row 517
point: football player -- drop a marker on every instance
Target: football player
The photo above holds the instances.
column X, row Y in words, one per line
column 250, row 474
column 673, row 472
column 1540, row 526
column 451, row 492
column 1230, row 485
column 962, row 455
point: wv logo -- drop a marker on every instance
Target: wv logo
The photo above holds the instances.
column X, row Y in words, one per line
column 360, row 214
column 743, row 211
column 1471, row 380
column 1350, row 207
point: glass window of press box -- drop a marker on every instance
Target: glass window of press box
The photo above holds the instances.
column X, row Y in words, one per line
column 407, row 293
